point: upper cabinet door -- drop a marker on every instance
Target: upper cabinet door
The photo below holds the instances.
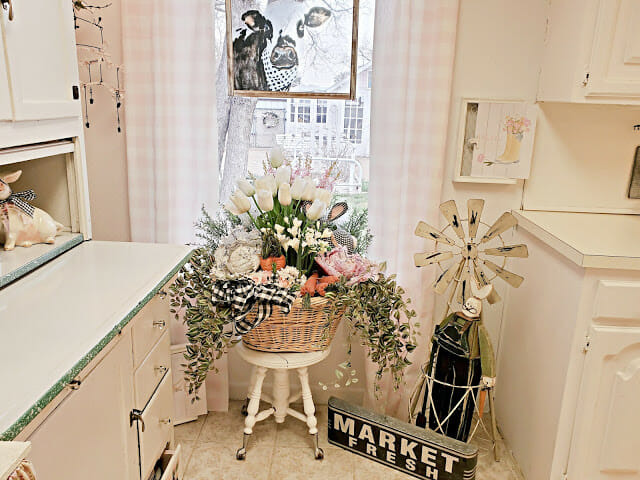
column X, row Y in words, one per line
column 615, row 60
column 42, row 65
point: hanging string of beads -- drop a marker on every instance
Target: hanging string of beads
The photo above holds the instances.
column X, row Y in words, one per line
column 95, row 59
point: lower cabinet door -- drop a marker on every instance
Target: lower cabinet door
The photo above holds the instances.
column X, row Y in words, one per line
column 605, row 443
column 88, row 435
column 155, row 432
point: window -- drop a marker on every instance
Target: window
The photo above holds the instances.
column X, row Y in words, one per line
column 321, row 111
column 369, row 78
column 353, row 117
column 301, row 111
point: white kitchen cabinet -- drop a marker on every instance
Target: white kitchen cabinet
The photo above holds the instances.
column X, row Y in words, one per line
column 592, row 52
column 569, row 363
column 41, row 70
column 88, row 435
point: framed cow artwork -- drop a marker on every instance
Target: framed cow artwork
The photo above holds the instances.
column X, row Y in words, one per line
column 292, row 48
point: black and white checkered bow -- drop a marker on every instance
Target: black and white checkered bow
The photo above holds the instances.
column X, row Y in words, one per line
column 242, row 295
column 20, row 200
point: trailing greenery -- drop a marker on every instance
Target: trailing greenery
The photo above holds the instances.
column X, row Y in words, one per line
column 358, row 225
column 379, row 314
column 211, row 229
column 210, row 330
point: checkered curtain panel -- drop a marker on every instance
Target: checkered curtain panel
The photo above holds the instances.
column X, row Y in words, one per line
column 414, row 47
column 170, row 121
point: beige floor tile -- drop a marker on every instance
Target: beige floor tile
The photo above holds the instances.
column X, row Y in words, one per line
column 296, row 463
column 189, row 430
column 293, row 432
column 227, row 428
column 214, row 461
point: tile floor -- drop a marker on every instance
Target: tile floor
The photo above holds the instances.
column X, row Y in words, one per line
column 284, row 451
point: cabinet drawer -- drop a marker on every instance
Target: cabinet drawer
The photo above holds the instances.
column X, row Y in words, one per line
column 157, row 419
column 148, row 326
column 150, row 372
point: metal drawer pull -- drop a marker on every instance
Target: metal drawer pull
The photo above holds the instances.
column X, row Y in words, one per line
column 8, row 5
column 136, row 416
column 161, row 369
column 162, row 294
column 166, row 421
column 159, row 324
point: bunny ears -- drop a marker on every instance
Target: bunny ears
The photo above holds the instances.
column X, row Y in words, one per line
column 482, row 293
column 338, row 210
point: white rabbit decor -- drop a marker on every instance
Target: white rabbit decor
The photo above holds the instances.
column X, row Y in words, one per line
column 20, row 223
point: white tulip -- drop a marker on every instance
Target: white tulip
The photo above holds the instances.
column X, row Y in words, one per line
column 297, row 189
column 309, row 190
column 314, row 212
column 323, row 195
column 241, row 201
column 246, row 187
column 283, row 175
column 284, row 194
column 265, row 200
column 229, row 206
column 276, row 157
column 269, row 183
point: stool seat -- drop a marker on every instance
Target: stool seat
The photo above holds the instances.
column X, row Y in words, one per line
column 281, row 364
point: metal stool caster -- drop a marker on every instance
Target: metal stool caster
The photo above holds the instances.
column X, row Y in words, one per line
column 319, row 454
column 241, row 454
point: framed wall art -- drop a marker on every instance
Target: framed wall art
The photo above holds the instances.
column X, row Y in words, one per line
column 293, row 48
column 495, row 141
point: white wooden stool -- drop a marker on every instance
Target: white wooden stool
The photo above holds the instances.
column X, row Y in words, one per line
column 280, row 363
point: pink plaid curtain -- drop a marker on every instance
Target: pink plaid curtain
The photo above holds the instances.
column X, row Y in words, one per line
column 414, row 49
column 170, row 107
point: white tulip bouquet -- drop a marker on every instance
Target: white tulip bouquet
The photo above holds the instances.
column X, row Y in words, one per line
column 289, row 208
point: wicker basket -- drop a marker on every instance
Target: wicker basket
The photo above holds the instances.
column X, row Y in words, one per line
column 302, row 330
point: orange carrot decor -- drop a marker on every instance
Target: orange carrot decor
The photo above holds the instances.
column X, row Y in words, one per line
column 317, row 285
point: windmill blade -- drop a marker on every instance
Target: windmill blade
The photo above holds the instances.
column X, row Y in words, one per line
column 450, row 212
column 424, row 259
column 474, row 207
column 444, row 280
column 520, row 251
column 482, row 280
column 509, row 277
column 427, row 231
column 464, row 286
column 504, row 223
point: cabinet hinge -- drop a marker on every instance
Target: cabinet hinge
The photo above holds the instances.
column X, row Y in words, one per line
column 585, row 80
column 587, row 344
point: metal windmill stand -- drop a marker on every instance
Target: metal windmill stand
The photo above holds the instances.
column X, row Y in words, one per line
column 461, row 275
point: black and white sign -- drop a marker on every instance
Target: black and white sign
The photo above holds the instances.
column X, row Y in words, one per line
column 405, row 447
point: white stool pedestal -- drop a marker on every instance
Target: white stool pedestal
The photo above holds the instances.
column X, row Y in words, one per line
column 280, row 363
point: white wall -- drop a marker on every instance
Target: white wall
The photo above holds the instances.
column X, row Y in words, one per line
column 105, row 147
column 498, row 53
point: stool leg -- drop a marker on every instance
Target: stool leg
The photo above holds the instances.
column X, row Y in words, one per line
column 252, row 411
column 310, row 410
column 280, row 394
column 252, row 382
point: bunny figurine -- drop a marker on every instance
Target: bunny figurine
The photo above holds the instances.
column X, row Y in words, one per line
column 20, row 223
column 340, row 237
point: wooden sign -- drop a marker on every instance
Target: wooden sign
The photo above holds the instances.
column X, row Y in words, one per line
column 396, row 444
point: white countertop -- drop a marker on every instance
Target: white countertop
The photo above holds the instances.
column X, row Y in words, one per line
column 591, row 240
column 11, row 454
column 54, row 317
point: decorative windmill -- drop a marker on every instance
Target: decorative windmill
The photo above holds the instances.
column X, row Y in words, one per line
column 461, row 368
column 470, row 252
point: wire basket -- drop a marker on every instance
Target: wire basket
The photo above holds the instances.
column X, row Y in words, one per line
column 309, row 329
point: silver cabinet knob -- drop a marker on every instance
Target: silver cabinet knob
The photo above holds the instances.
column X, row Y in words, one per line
column 159, row 324
column 161, row 369
column 165, row 421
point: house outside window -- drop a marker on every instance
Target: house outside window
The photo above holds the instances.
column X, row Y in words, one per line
column 353, row 119
column 321, row 111
column 300, row 111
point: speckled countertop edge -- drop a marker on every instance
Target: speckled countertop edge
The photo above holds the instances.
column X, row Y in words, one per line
column 43, row 401
column 41, row 260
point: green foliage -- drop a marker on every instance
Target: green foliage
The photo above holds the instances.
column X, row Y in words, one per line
column 379, row 314
column 211, row 229
column 210, row 329
column 358, row 225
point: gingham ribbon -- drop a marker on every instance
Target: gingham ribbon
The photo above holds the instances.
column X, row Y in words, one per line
column 20, row 199
column 277, row 80
column 242, row 295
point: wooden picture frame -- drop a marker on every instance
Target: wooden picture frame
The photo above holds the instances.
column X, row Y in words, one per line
column 253, row 26
column 468, row 141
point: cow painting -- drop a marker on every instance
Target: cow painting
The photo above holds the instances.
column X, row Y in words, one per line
column 271, row 47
